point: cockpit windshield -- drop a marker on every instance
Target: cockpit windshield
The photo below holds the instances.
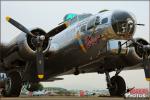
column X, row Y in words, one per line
column 73, row 18
column 69, row 16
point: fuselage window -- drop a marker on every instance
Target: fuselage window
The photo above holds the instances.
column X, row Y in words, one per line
column 105, row 20
column 83, row 28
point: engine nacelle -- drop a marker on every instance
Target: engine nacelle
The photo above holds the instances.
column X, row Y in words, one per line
column 134, row 53
column 26, row 47
column 131, row 54
column 22, row 48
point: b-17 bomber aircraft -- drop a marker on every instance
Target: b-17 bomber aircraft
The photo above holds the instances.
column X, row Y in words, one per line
column 82, row 43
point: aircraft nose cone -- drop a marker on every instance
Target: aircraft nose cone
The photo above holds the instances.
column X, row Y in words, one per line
column 123, row 23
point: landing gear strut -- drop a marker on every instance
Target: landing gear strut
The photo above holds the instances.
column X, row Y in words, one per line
column 13, row 85
column 76, row 72
column 116, row 85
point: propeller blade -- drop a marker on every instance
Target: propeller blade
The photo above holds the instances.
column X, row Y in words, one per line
column 40, row 62
column 147, row 67
column 56, row 30
column 141, row 24
column 147, row 72
column 19, row 26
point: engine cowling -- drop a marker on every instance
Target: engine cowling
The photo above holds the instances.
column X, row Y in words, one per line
column 26, row 47
column 134, row 55
column 21, row 48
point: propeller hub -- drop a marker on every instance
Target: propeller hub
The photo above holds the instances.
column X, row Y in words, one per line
column 42, row 37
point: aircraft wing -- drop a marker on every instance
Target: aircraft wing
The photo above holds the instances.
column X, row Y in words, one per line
column 53, row 79
column 3, row 51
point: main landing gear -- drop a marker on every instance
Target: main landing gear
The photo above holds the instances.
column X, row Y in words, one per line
column 116, row 85
column 13, row 85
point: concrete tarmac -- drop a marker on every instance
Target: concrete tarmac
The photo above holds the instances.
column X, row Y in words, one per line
column 61, row 98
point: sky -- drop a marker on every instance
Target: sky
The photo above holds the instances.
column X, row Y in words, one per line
column 48, row 14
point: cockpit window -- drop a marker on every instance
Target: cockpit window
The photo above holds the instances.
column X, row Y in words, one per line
column 105, row 20
column 83, row 16
column 73, row 18
column 69, row 16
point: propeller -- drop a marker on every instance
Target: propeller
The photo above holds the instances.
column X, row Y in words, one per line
column 146, row 62
column 145, row 50
column 19, row 26
column 38, row 43
column 40, row 56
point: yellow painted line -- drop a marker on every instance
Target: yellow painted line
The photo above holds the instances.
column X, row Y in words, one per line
column 83, row 48
column 78, row 36
column 80, row 42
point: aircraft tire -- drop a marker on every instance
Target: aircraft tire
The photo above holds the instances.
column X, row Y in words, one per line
column 13, row 85
column 118, row 87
